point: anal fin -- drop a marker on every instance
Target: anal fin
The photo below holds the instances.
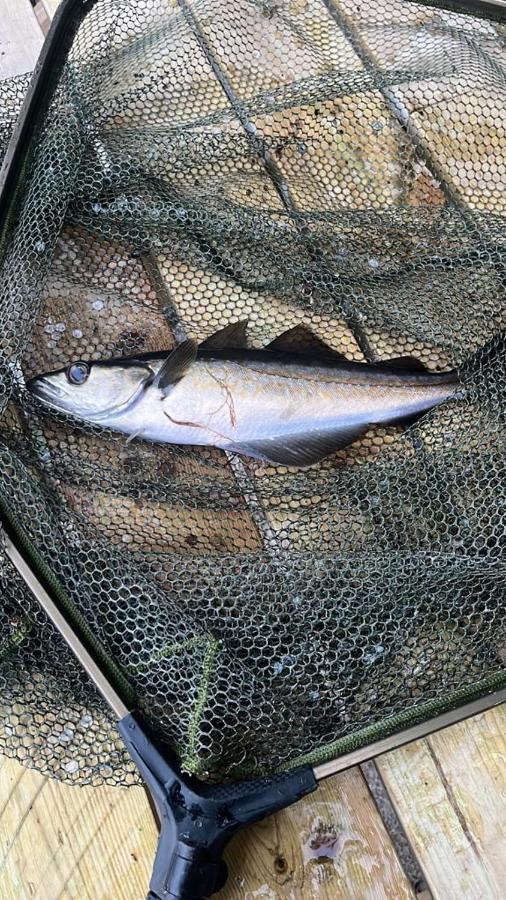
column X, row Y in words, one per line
column 302, row 449
column 133, row 436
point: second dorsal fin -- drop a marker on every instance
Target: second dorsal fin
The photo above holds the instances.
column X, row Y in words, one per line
column 300, row 339
column 233, row 337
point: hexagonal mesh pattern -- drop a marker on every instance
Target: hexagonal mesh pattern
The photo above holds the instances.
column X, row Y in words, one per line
column 326, row 162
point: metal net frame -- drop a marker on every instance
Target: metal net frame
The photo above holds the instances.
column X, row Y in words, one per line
column 332, row 164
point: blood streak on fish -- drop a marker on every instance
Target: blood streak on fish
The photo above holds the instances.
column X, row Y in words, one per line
column 196, row 425
column 286, row 406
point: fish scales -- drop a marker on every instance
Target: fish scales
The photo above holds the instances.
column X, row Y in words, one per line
column 242, row 402
column 285, row 407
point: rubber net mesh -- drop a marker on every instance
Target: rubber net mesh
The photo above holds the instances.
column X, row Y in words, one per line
column 329, row 162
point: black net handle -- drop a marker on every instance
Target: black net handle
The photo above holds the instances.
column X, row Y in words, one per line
column 483, row 9
column 45, row 79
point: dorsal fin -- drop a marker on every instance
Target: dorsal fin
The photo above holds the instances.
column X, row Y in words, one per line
column 176, row 365
column 300, row 339
column 411, row 363
column 233, row 337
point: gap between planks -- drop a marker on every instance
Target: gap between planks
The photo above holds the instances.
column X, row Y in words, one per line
column 449, row 791
column 60, row 842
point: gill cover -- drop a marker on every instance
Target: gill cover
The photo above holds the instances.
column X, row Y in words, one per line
column 93, row 390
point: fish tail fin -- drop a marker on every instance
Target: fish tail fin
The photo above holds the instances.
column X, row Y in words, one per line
column 490, row 354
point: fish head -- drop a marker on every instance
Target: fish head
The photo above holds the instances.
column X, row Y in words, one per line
column 92, row 390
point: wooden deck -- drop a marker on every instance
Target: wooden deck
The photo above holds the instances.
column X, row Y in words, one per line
column 448, row 791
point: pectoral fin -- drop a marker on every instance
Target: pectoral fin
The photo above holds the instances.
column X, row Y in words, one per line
column 133, row 436
column 176, row 365
column 302, row 450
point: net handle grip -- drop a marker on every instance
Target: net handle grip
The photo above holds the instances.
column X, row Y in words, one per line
column 197, row 820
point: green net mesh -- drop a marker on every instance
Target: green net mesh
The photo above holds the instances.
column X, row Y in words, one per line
column 326, row 162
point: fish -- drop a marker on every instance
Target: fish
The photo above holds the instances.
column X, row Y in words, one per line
column 292, row 403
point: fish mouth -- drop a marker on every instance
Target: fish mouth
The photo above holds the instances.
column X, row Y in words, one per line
column 43, row 389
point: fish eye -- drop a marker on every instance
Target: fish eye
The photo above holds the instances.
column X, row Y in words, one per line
column 78, row 372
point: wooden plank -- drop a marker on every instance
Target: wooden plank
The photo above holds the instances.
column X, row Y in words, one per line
column 331, row 846
column 20, row 37
column 59, row 842
column 62, row 842
column 449, row 791
column 464, row 140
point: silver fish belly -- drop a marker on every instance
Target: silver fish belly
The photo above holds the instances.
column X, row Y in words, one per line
column 290, row 413
column 284, row 407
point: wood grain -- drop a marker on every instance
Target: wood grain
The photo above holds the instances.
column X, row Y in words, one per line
column 20, row 37
column 331, row 846
column 59, row 842
column 449, row 791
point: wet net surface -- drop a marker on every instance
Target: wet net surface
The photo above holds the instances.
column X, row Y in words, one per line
column 335, row 164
